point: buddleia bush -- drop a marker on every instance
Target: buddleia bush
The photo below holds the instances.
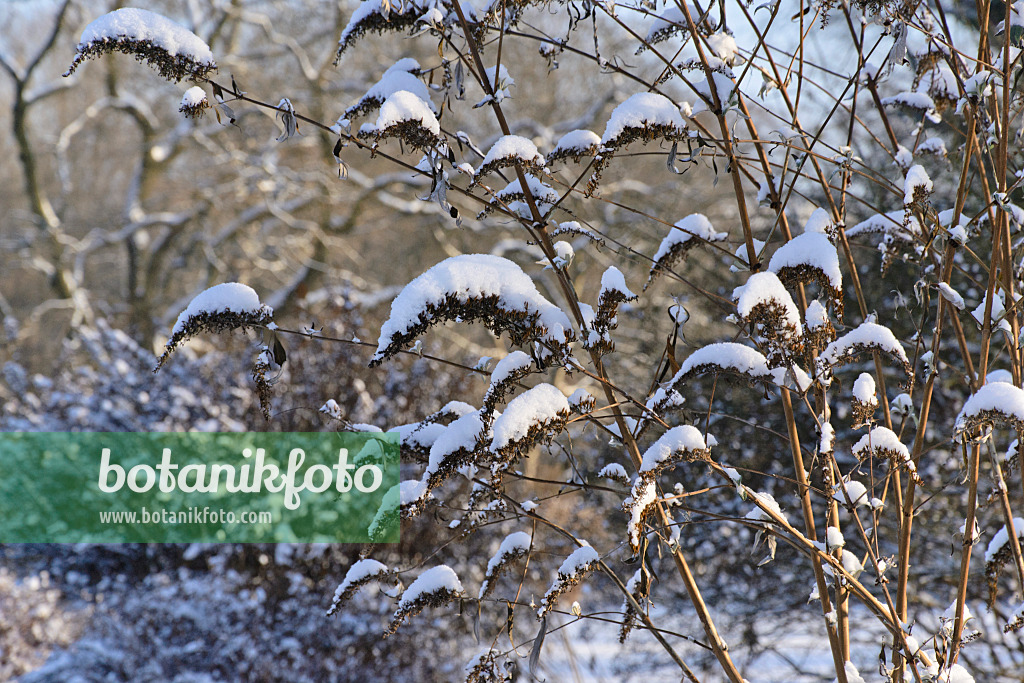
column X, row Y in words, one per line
column 872, row 232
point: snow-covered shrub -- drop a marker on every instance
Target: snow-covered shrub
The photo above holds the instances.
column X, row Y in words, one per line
column 785, row 130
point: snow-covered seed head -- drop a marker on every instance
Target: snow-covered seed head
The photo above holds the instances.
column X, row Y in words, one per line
column 194, row 103
column 171, row 49
column 864, row 400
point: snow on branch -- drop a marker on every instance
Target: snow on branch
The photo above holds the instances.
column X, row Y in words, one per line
column 613, row 293
column 358, row 575
column 575, row 145
column 683, row 443
column 472, row 287
column 402, row 501
column 729, row 358
column 864, row 338
column 528, row 418
column 508, row 151
column 994, row 403
column 171, row 49
column 810, row 257
column 515, row 547
column 646, row 117
column 767, row 308
column 435, row 587
column 998, row 553
column 639, row 586
column 506, row 374
column 455, row 448
column 194, row 103
column 686, row 234
column 379, row 16
column 405, row 116
column 883, row 442
column 514, row 198
column 574, row 569
column 227, row 306
column 400, row 76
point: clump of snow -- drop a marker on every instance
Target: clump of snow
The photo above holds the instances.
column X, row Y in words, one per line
column 614, row 471
column 642, row 111
column 581, row 562
column 724, row 46
column 688, row 232
column 819, row 222
column 538, row 409
column 358, row 574
column 864, row 389
column 193, row 97
column 512, row 364
column 725, row 356
column 810, row 250
column 899, row 224
column 881, row 439
column 765, row 288
column 441, row 578
column 453, row 447
column 447, row 289
column 171, row 48
column 767, row 501
column 1002, row 538
column 866, row 336
column 695, row 225
column 576, row 143
column 228, row 297
column 952, row 296
column 401, row 107
column 679, row 440
column 914, row 100
column 395, row 79
column 509, row 149
column 998, row 401
column 613, row 281
column 513, row 547
column 917, row 185
column 816, row 315
column 857, row 492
